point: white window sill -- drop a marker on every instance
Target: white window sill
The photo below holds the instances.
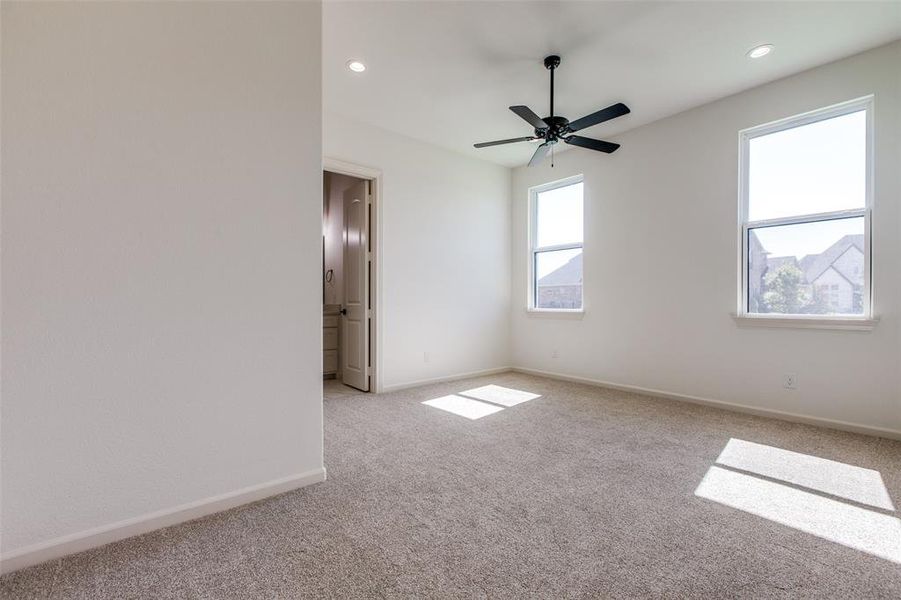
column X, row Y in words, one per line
column 556, row 313
column 802, row 322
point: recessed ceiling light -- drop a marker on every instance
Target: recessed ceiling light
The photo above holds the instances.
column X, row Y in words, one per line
column 356, row 66
column 760, row 51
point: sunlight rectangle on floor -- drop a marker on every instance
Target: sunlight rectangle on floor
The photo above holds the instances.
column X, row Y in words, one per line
column 465, row 407
column 835, row 478
column 498, row 394
column 865, row 530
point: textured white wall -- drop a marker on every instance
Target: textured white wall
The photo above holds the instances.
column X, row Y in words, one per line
column 161, row 248
column 446, row 252
column 661, row 266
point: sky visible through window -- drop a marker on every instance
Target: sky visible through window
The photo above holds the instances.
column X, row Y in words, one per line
column 815, row 168
column 559, row 221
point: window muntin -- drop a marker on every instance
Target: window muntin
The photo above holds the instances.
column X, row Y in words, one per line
column 556, row 234
column 805, row 214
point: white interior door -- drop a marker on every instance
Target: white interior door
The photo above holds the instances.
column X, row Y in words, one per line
column 355, row 320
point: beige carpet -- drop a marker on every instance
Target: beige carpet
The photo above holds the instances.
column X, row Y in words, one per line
column 579, row 492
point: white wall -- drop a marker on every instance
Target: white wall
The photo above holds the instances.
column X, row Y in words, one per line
column 445, row 253
column 661, row 262
column 161, row 197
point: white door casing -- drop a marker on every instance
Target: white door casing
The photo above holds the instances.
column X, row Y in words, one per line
column 355, row 320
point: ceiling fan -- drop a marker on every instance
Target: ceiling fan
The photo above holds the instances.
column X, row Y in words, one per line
column 552, row 129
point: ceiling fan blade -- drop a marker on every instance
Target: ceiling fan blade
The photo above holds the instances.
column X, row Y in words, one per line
column 510, row 141
column 526, row 113
column 540, row 152
column 611, row 112
column 591, row 144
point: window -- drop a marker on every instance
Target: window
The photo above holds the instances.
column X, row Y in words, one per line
column 556, row 246
column 805, row 215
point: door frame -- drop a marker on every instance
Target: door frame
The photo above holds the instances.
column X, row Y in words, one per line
column 374, row 176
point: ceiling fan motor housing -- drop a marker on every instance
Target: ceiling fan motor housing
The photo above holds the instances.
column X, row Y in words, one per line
column 557, row 127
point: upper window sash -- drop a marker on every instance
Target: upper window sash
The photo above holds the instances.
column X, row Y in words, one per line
column 843, row 108
column 551, row 237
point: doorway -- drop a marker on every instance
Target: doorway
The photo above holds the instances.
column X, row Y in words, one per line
column 349, row 278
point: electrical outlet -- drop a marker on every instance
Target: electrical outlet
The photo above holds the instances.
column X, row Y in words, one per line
column 555, row 354
column 790, row 382
column 426, row 357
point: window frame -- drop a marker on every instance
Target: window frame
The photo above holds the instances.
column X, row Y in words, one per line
column 842, row 321
column 534, row 249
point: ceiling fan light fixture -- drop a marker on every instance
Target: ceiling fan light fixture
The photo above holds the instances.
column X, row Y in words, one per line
column 760, row 51
column 356, row 66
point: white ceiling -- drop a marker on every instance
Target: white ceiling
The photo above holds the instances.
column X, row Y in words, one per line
column 445, row 72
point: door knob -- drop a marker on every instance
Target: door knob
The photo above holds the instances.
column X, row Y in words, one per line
column 343, row 311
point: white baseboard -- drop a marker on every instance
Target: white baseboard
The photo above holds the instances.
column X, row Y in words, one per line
column 105, row 534
column 411, row 384
column 743, row 408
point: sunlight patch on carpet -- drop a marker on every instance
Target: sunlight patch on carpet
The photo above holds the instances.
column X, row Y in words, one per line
column 497, row 394
column 837, row 479
column 465, row 407
column 811, row 494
